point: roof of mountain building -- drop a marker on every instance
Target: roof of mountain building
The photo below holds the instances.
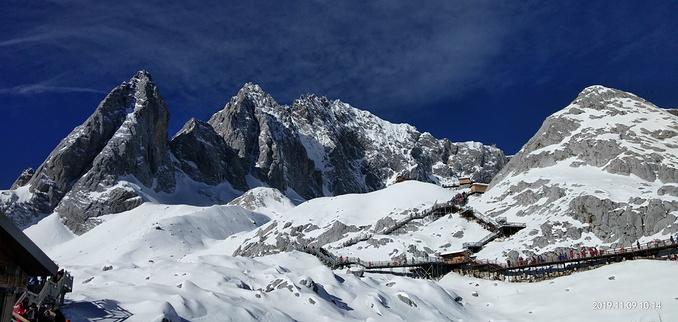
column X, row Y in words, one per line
column 23, row 251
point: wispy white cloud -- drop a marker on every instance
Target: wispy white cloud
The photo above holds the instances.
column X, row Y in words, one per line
column 377, row 55
column 31, row 89
column 385, row 56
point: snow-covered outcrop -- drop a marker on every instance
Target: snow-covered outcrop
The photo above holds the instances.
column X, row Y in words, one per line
column 337, row 222
column 602, row 171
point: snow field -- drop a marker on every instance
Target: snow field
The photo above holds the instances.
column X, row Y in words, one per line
column 173, row 261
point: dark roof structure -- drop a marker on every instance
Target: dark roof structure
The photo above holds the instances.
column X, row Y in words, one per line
column 23, row 251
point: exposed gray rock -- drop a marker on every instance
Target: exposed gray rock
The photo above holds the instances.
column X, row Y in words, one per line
column 668, row 190
column 386, row 222
column 137, row 150
column 72, row 157
column 24, row 178
column 120, row 155
column 302, row 146
column 412, row 249
column 291, row 238
column 593, row 146
column 406, row 300
column 376, row 243
column 336, row 232
column 203, row 155
column 267, row 142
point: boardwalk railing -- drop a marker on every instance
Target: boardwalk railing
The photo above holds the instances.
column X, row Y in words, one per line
column 498, row 227
column 437, row 211
column 589, row 253
column 52, row 293
column 540, row 266
column 333, row 261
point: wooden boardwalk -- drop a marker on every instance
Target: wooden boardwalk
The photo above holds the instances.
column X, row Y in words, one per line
column 533, row 269
column 437, row 211
column 538, row 269
column 553, row 266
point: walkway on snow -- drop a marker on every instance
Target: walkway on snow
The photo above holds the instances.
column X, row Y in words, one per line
column 536, row 268
column 437, row 211
column 498, row 227
column 553, row 266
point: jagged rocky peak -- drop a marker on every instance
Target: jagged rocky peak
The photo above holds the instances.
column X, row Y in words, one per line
column 336, row 148
column 237, row 120
column 134, row 157
column 309, row 107
column 262, row 133
column 602, row 171
column 121, row 157
column 74, row 155
column 23, row 179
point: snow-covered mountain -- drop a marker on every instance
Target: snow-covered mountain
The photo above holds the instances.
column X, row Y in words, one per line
column 120, row 157
column 601, row 172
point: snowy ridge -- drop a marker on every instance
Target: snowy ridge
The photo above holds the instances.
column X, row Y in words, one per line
column 601, row 172
column 120, row 157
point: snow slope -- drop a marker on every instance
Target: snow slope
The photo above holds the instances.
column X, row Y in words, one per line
column 172, row 261
column 333, row 221
column 628, row 291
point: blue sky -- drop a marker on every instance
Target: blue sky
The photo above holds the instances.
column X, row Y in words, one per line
column 487, row 71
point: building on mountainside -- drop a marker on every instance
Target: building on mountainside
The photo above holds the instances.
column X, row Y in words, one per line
column 479, row 187
column 21, row 259
column 463, row 181
column 459, row 257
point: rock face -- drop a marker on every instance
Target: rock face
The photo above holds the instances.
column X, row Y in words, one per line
column 606, row 128
column 203, row 155
column 126, row 136
column 602, row 171
column 319, row 147
column 136, row 152
column 113, row 141
column 120, row 157
column 268, row 144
